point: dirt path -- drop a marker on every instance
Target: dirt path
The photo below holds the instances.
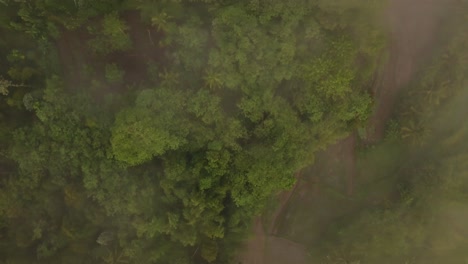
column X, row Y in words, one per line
column 254, row 252
column 284, row 199
column 412, row 27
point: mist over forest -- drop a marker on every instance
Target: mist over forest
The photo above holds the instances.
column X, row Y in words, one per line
column 233, row 131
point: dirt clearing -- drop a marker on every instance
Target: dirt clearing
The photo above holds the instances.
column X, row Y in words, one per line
column 81, row 64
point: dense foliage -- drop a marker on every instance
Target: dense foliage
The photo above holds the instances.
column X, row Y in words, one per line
column 154, row 131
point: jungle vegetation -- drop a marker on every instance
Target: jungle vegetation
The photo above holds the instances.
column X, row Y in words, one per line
column 144, row 131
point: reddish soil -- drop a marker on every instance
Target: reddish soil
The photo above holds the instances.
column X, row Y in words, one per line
column 283, row 251
column 255, row 246
column 283, row 199
column 75, row 54
column 72, row 51
column 146, row 49
column 271, row 249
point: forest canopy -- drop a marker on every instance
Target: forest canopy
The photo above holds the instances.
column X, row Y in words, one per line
column 141, row 131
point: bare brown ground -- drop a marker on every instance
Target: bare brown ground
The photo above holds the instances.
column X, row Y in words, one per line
column 412, row 27
column 284, row 199
column 282, row 251
column 75, row 53
column 255, row 246
column 265, row 247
